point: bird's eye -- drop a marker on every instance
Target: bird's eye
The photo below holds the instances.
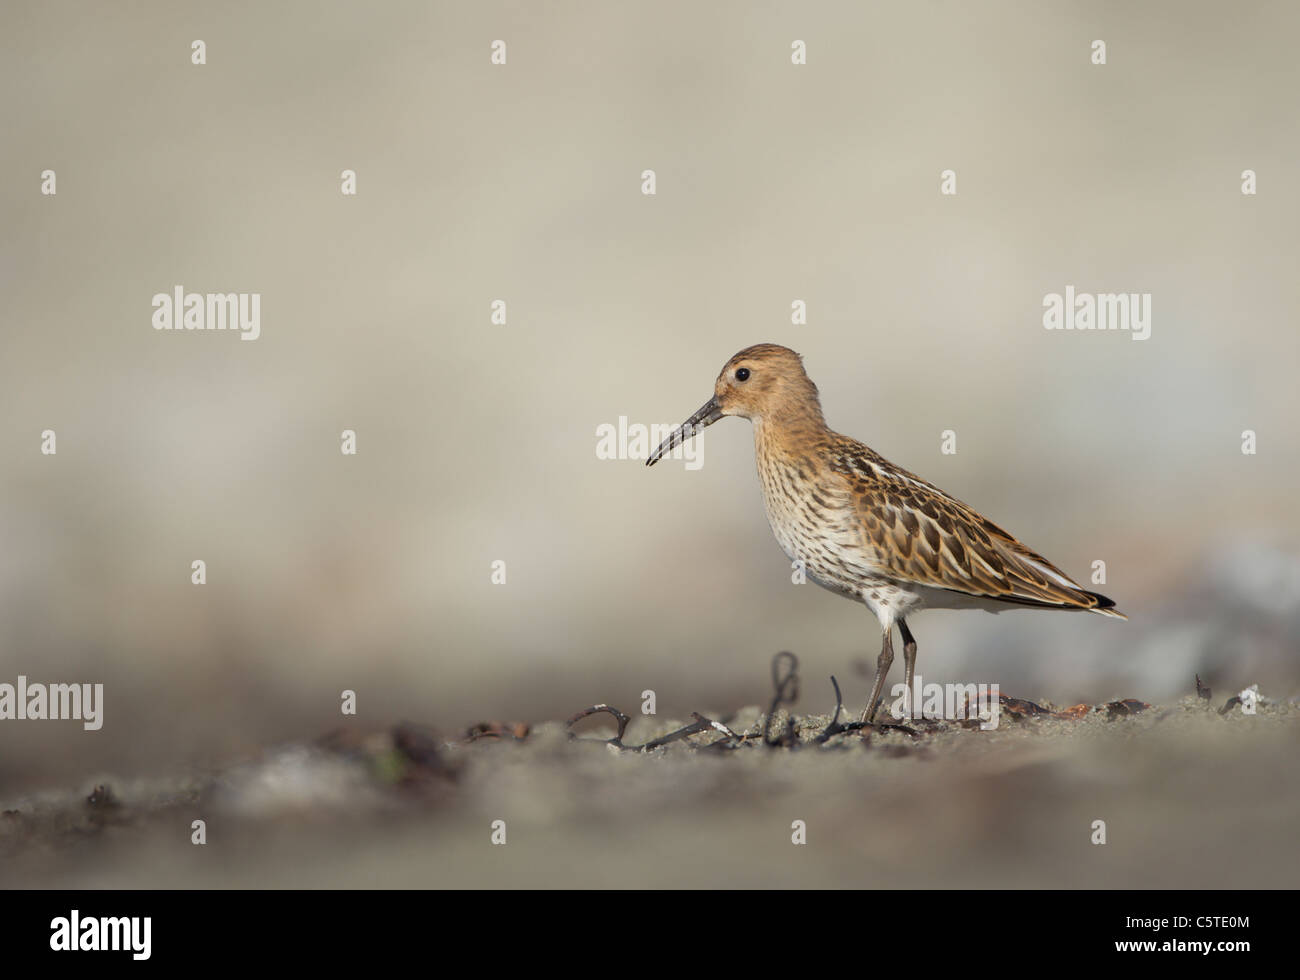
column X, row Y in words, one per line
column 742, row 374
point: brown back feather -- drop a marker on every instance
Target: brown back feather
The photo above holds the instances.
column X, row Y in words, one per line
column 921, row 534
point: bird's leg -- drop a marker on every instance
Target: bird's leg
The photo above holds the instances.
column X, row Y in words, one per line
column 909, row 663
column 882, row 668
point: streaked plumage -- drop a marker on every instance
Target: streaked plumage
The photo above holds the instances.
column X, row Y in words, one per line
column 864, row 527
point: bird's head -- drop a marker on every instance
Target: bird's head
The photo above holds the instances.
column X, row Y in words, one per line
column 765, row 381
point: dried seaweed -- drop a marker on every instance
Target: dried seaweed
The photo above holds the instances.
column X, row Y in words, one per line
column 785, row 692
column 700, row 724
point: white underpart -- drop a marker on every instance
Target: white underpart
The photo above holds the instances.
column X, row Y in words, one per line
column 891, row 602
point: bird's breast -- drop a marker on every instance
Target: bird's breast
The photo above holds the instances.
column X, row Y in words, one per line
column 813, row 520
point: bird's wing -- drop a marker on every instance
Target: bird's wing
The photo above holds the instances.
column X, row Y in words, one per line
column 919, row 534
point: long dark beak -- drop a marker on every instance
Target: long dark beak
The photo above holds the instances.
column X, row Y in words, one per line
column 709, row 413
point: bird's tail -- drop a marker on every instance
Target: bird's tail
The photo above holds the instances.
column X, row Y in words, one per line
column 1105, row 606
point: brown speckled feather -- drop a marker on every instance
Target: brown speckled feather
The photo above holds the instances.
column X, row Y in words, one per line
column 921, row 535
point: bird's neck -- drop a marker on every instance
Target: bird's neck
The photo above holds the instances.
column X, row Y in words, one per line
column 789, row 430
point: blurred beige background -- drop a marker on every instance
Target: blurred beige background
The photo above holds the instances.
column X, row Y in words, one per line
column 477, row 442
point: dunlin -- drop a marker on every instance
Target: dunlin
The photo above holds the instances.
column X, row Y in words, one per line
column 865, row 528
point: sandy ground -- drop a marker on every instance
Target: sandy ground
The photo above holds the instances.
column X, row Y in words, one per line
column 1191, row 796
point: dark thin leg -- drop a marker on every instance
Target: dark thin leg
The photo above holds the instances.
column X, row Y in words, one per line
column 909, row 663
column 882, row 668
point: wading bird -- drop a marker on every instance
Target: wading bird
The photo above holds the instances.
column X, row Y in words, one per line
column 866, row 528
